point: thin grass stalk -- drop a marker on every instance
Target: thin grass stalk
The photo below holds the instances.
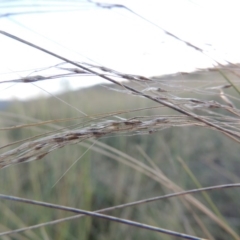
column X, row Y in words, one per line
column 197, row 183
column 12, row 198
column 167, row 104
column 98, row 215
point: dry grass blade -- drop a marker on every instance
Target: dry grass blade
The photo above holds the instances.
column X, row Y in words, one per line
column 110, row 6
column 39, row 148
column 95, row 214
column 106, row 209
column 196, row 182
column 155, row 99
column 165, row 181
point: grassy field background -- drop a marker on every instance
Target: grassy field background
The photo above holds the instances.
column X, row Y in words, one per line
column 122, row 168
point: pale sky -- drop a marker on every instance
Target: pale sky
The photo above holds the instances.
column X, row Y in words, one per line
column 116, row 38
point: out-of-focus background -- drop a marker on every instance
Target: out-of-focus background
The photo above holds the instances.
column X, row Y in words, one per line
column 187, row 51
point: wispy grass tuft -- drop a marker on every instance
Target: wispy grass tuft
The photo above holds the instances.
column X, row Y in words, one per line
column 123, row 149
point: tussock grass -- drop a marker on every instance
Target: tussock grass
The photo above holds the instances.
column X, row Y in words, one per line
column 105, row 157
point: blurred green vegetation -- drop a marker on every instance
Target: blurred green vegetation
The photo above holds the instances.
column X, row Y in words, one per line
column 98, row 181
